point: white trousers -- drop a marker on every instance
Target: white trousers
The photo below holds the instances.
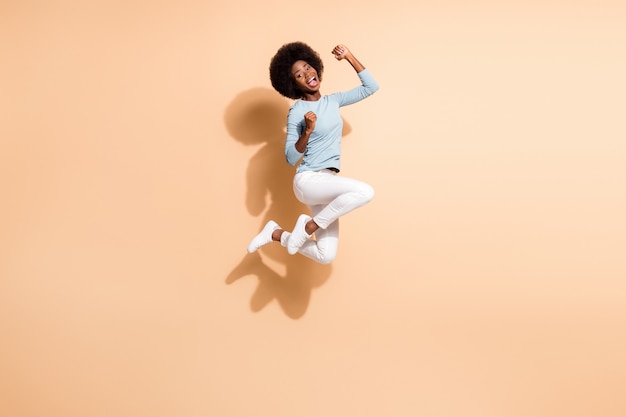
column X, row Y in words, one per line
column 329, row 197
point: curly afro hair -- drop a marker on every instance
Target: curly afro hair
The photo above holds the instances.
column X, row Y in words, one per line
column 280, row 67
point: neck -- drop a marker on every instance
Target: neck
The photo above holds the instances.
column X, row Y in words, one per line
column 311, row 97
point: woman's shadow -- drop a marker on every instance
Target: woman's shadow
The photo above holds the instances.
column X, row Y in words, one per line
column 258, row 117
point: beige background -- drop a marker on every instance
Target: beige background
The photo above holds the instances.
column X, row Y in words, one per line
column 141, row 149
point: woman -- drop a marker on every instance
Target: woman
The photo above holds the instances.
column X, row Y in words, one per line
column 314, row 127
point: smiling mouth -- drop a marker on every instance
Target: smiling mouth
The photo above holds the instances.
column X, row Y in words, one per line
column 312, row 80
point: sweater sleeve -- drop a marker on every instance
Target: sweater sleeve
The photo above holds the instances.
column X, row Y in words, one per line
column 293, row 134
column 368, row 87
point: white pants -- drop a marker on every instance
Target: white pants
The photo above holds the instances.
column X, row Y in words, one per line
column 329, row 197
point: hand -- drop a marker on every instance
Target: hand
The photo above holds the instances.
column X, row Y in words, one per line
column 340, row 52
column 310, row 118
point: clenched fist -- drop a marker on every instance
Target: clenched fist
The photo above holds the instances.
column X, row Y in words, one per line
column 340, row 52
column 310, row 118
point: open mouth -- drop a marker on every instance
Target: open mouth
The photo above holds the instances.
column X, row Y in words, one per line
column 312, row 81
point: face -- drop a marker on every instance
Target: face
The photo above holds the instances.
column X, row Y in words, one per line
column 305, row 77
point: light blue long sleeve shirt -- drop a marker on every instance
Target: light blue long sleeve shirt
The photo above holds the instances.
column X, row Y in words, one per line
column 324, row 147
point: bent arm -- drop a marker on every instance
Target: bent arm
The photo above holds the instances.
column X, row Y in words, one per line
column 368, row 85
column 294, row 142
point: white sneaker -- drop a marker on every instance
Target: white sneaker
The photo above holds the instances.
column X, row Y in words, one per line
column 298, row 235
column 264, row 237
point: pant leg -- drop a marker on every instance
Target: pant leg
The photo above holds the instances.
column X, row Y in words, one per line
column 323, row 248
column 329, row 197
column 338, row 195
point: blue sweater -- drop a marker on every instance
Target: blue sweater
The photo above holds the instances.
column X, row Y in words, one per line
column 324, row 147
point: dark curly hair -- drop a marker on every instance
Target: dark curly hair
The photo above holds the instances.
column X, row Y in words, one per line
column 280, row 67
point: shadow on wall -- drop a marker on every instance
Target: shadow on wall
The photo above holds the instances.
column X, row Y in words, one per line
column 258, row 117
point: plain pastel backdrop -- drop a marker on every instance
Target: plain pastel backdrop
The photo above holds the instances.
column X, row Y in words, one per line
column 141, row 149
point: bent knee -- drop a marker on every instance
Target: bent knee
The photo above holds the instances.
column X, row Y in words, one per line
column 325, row 260
column 325, row 257
column 367, row 192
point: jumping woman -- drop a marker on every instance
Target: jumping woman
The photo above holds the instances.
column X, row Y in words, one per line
column 314, row 128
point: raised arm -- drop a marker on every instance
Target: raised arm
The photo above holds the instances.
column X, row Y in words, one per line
column 368, row 85
column 342, row 52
